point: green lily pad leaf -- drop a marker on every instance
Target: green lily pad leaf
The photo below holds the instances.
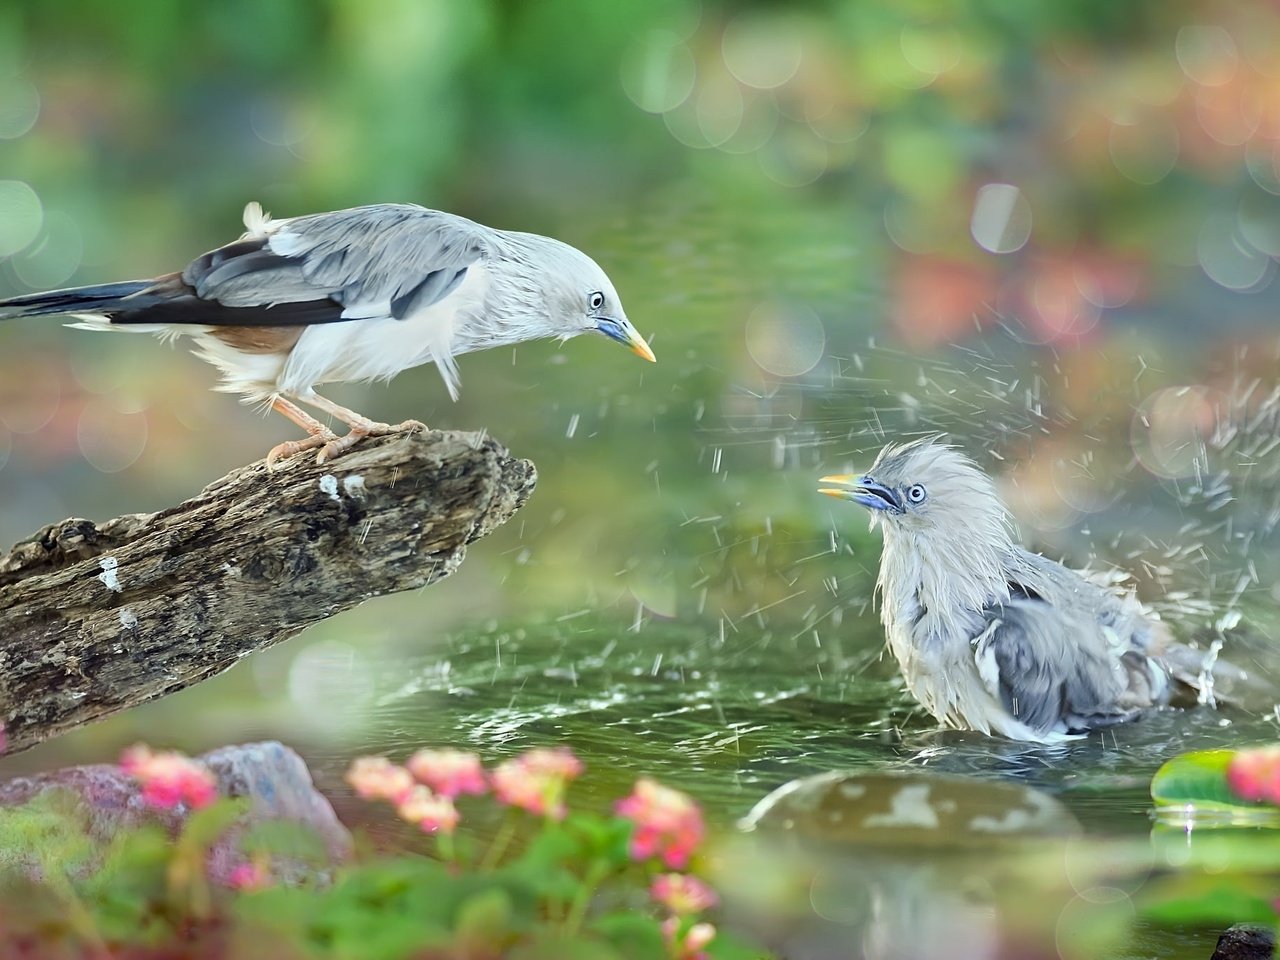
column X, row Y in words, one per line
column 1193, row 786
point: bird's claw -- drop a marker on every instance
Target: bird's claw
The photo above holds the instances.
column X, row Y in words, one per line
column 283, row 451
column 337, row 446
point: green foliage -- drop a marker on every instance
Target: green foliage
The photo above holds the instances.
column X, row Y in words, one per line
column 1227, row 873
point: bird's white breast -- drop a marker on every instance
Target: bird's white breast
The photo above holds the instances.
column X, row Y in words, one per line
column 379, row 346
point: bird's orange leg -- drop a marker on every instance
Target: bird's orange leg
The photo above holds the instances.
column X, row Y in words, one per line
column 319, row 433
column 361, row 427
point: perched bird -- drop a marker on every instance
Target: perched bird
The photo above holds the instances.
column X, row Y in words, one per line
column 353, row 295
column 989, row 636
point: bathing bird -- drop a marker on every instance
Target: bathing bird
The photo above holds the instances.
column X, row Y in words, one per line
column 353, row 295
column 994, row 638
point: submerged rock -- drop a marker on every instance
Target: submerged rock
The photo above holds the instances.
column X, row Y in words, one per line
column 910, row 809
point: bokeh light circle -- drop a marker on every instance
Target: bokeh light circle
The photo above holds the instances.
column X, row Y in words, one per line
column 1258, row 219
column 1001, row 221
column 761, row 51
column 786, row 341
column 55, row 255
column 794, row 156
column 1228, row 259
column 658, row 71
column 19, row 107
column 1170, row 428
column 109, row 440
column 1207, row 54
column 1087, row 924
column 21, row 216
column 327, row 673
column 1144, row 152
column 719, row 107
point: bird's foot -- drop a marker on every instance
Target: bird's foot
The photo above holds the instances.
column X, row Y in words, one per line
column 283, row 451
column 337, row 446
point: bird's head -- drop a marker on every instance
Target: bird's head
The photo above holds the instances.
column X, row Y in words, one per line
column 930, row 489
column 579, row 297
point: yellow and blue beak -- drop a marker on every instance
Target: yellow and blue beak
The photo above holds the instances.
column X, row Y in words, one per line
column 626, row 334
column 864, row 491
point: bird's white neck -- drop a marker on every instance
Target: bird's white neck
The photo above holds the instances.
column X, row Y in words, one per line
column 937, row 582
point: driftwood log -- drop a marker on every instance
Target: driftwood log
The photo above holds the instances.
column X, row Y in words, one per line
column 98, row 618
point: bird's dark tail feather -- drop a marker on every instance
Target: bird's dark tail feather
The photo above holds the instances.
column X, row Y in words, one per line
column 100, row 297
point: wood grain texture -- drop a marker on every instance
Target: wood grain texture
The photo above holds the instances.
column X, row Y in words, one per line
column 98, row 618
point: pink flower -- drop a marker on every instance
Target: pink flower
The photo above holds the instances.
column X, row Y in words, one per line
column 169, row 778
column 250, row 875
column 1255, row 774
column 377, row 778
column 688, row 947
column 668, row 823
column 682, row 894
column 431, row 812
column 448, row 772
column 536, row 780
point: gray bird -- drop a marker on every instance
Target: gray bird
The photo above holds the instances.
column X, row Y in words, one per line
column 989, row 636
column 353, row 295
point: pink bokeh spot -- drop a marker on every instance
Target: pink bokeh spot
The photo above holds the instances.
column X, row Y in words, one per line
column 1255, row 774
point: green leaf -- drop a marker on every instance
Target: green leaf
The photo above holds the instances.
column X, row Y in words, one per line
column 725, row 946
column 553, row 947
column 206, row 825
column 634, row 935
column 483, row 920
column 285, row 838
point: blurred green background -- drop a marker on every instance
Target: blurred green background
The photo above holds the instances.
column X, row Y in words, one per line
column 1047, row 229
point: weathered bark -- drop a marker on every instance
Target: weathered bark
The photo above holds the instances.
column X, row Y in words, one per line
column 95, row 619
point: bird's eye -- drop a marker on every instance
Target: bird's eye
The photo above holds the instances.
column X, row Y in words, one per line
column 915, row 493
column 596, row 300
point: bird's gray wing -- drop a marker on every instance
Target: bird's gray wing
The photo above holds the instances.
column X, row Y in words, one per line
column 374, row 261
column 1058, row 669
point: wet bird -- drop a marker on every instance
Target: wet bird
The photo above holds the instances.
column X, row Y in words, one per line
column 992, row 637
column 353, row 295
